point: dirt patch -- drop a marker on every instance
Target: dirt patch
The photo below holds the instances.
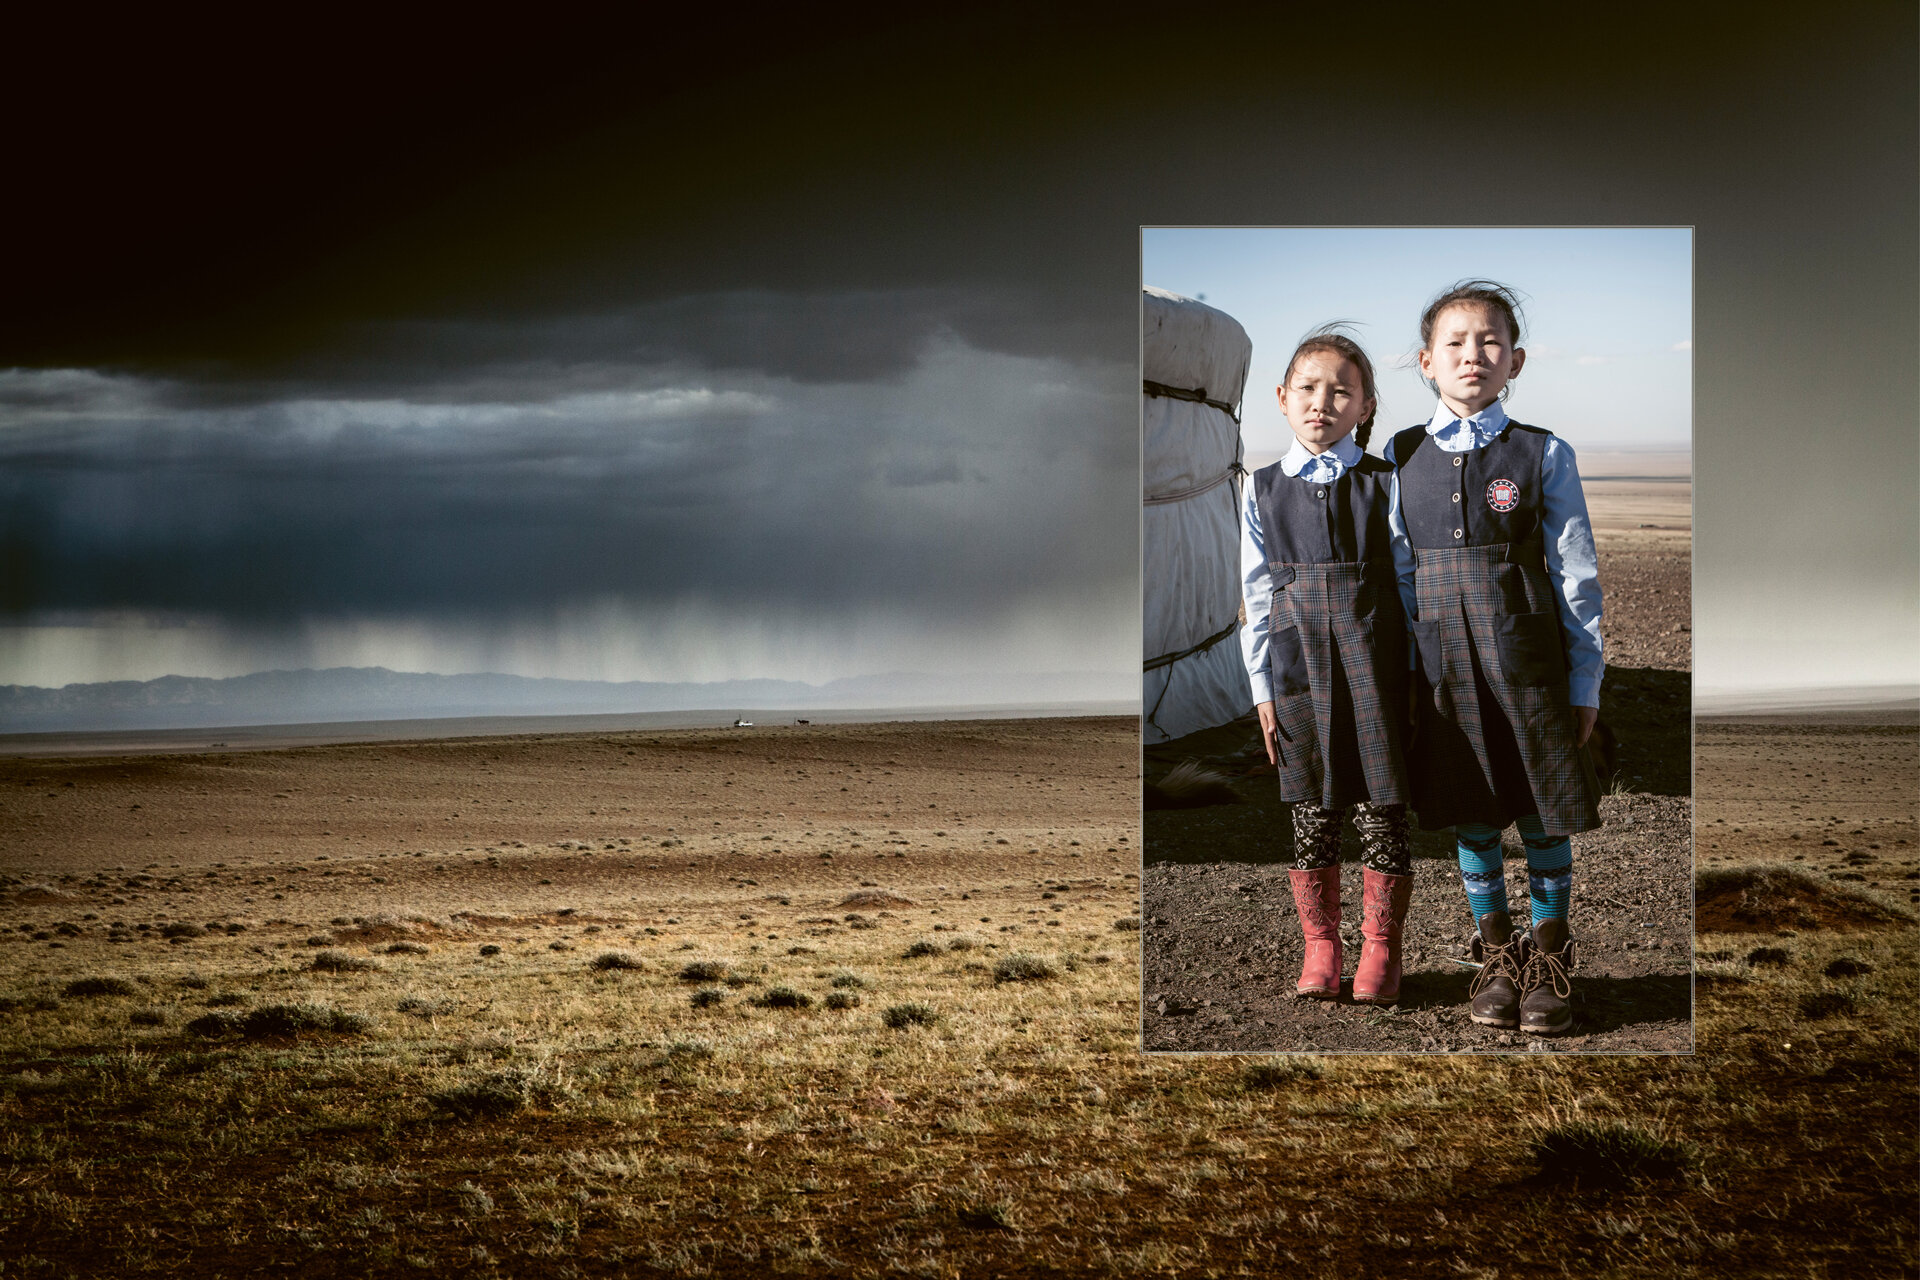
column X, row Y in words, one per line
column 875, row 901
column 41, row 893
column 1764, row 899
column 1221, row 945
column 370, row 933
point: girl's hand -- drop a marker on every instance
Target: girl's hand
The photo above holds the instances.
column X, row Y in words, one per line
column 1583, row 722
column 1269, row 731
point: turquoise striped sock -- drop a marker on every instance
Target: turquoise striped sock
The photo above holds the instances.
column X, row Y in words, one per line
column 1549, row 870
column 1482, row 868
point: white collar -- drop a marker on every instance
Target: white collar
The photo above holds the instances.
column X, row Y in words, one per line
column 1344, row 451
column 1487, row 423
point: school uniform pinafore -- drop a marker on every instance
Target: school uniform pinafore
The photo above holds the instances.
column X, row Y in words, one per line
column 1336, row 636
column 1494, row 739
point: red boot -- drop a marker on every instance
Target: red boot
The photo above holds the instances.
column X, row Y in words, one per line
column 1316, row 894
column 1376, row 979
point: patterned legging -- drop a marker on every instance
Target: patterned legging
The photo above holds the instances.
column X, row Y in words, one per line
column 1383, row 837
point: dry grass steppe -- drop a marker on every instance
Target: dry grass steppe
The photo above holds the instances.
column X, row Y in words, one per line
column 666, row 1069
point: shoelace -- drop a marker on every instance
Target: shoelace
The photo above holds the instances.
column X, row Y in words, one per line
column 1548, row 967
column 1501, row 962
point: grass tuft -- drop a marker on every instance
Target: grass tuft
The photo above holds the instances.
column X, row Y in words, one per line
column 491, row 949
column 912, row 1014
column 1607, row 1155
column 280, row 1020
column 707, row 997
column 783, row 997
column 1826, row 1004
column 504, row 1092
column 1128, row 924
column 1024, row 967
column 841, row 1000
column 406, row 949
column 924, row 947
column 703, row 971
column 215, row 1025
column 81, row 987
column 1777, row 957
column 292, row 1019
column 182, row 929
column 1847, row 967
column 336, row 961
column 1261, row 1076
column 618, row 960
column 423, row 1006
column 691, row 1050
column 985, row 1215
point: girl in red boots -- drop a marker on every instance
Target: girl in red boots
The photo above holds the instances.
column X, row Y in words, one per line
column 1325, row 645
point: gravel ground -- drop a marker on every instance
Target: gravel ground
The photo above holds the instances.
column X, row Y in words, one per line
column 1222, row 945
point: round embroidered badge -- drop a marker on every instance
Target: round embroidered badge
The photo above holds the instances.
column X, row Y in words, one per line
column 1503, row 495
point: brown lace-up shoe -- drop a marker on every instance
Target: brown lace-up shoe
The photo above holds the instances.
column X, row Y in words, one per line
column 1544, row 985
column 1496, row 988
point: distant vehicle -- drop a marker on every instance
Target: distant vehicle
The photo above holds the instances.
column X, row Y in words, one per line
column 803, row 722
column 743, row 724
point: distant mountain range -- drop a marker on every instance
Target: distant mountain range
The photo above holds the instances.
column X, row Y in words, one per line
column 375, row 693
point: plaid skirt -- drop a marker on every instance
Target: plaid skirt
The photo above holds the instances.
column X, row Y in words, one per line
column 1494, row 734
column 1337, row 640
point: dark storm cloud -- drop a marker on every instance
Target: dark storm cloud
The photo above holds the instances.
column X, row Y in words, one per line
column 817, row 497
column 845, row 336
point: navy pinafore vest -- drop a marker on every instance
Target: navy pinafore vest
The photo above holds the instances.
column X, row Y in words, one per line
column 1337, row 636
column 1495, row 740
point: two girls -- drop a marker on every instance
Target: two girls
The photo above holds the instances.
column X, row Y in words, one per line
column 1485, row 526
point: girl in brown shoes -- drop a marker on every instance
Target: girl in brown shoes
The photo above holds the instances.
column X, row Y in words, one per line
column 1498, row 574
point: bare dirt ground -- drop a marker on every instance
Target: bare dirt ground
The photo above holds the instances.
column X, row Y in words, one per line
column 1833, row 795
column 713, row 821
column 1221, row 948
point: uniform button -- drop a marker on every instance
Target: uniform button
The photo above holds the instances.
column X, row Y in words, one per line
column 1458, row 533
column 1319, row 493
column 1459, row 462
column 1456, row 497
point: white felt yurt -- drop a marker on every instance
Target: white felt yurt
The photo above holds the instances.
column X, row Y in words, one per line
column 1193, row 367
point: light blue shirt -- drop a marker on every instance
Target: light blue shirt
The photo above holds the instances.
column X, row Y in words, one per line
column 1565, row 532
column 1256, row 580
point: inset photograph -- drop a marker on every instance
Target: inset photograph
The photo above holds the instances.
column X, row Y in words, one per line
column 1417, row 546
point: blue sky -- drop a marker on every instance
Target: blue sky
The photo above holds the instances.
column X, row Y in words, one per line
column 1608, row 314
